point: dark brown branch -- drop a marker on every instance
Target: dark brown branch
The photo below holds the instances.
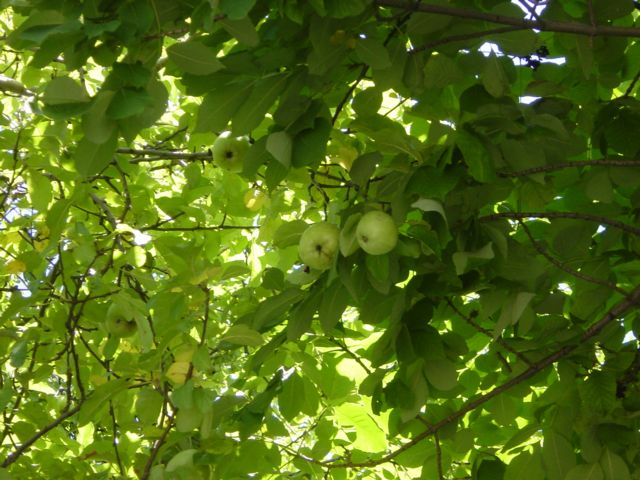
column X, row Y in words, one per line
column 614, row 313
column 436, row 437
column 155, row 449
column 163, row 154
column 199, row 228
column 571, row 215
column 114, row 440
column 542, row 25
column 632, row 85
column 26, row 445
column 464, row 36
column 605, row 162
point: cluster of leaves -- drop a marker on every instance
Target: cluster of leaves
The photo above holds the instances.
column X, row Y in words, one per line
column 498, row 340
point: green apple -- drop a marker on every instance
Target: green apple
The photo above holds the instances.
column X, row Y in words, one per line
column 377, row 233
column 178, row 372
column 255, row 199
column 119, row 322
column 318, row 245
column 228, row 152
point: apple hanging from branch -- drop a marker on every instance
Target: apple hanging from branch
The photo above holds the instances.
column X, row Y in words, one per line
column 119, row 323
column 228, row 152
column 318, row 245
column 377, row 233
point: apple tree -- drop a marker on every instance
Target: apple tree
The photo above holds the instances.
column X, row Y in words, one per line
column 469, row 307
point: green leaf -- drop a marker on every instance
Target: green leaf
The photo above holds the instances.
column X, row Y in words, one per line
column 241, row 334
column 257, row 104
column 441, row 71
column 236, row 9
column 363, row 168
column 428, row 205
column 99, row 399
column 91, row 158
column 512, row 311
column 599, row 391
column 503, row 408
column 148, row 405
column 289, row 233
column 302, row 316
column 475, row 156
column 64, row 90
column 291, row 398
column 613, row 466
column 194, row 57
column 557, row 455
column 219, row 105
column 367, row 102
column 369, row 436
column 592, row 471
column 310, row 145
column 242, row 29
column 348, row 240
column 334, row 301
column 181, row 460
column 279, row 144
column 494, row 78
column 525, row 465
column 272, row 310
column 373, row 53
column 97, row 127
column 441, row 373
column 462, row 260
column 128, row 102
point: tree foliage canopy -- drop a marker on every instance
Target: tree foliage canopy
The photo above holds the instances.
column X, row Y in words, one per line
column 498, row 340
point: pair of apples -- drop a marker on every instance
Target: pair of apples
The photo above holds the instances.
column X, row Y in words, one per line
column 376, row 234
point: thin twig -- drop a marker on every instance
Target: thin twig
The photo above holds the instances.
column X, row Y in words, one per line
column 582, row 276
column 114, row 440
column 499, row 340
column 632, row 84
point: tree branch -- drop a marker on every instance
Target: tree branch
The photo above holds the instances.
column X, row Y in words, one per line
column 155, row 449
column 575, row 273
column 163, row 154
column 499, row 340
column 10, row 85
column 199, row 228
column 542, row 25
column 615, row 312
column 25, row 446
column 465, row 36
column 572, row 215
column 606, row 162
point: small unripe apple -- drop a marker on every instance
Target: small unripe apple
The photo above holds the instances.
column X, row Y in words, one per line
column 318, row 245
column 377, row 233
column 228, row 152
column 255, row 199
column 119, row 322
column 177, row 372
